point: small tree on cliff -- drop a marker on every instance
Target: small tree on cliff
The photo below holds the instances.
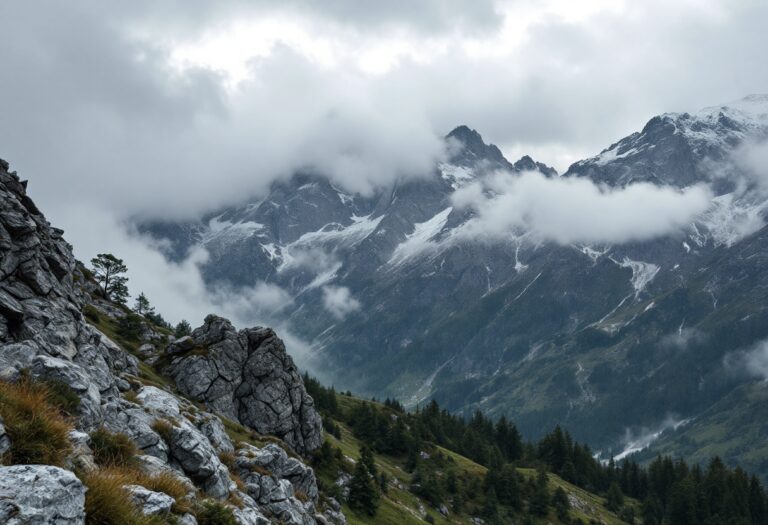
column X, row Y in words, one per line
column 109, row 271
column 142, row 306
column 182, row 329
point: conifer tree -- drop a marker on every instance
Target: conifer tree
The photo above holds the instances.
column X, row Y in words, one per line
column 540, row 498
column 109, row 271
column 614, row 500
column 561, row 504
column 142, row 306
column 182, row 329
column 363, row 495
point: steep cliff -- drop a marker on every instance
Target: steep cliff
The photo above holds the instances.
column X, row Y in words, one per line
column 47, row 345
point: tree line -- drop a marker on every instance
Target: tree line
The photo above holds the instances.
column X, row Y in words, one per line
column 109, row 273
column 669, row 491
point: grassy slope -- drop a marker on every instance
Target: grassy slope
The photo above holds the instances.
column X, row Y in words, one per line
column 400, row 507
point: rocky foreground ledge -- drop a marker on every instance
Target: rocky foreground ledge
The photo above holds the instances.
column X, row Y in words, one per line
column 178, row 432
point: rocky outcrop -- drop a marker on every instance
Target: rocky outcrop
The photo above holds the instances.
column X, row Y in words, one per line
column 44, row 335
column 246, row 376
column 150, row 502
column 41, row 326
column 40, row 494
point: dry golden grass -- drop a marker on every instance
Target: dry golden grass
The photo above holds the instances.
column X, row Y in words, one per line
column 112, row 449
column 38, row 431
column 108, row 483
column 108, row 503
column 164, row 428
column 228, row 458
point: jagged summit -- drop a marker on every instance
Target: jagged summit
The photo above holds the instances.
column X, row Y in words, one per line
column 526, row 163
column 670, row 148
column 474, row 148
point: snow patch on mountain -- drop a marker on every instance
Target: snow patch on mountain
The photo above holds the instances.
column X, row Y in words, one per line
column 338, row 234
column 225, row 233
column 642, row 273
column 638, row 441
column 730, row 219
column 457, row 176
column 421, row 239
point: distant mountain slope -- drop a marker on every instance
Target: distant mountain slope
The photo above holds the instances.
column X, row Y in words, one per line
column 614, row 340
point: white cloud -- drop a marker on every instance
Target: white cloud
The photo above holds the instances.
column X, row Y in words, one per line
column 568, row 210
column 752, row 158
column 338, row 300
column 753, row 361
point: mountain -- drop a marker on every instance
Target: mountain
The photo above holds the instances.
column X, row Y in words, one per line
column 617, row 341
column 91, row 433
column 107, row 418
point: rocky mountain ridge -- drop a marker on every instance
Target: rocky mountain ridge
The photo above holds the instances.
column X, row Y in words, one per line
column 46, row 340
column 613, row 340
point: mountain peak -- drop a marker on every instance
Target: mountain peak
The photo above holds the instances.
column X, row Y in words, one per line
column 474, row 148
column 465, row 134
column 526, row 163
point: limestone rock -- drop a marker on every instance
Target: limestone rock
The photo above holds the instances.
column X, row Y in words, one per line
column 150, row 502
column 39, row 495
column 248, row 376
column 189, row 447
column 5, row 441
column 275, row 460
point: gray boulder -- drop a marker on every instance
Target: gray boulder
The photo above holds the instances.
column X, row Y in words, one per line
column 40, row 495
column 150, row 502
column 247, row 376
column 196, row 455
column 5, row 441
column 251, row 460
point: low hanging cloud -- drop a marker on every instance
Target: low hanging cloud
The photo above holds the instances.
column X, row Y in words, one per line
column 338, row 300
column 752, row 158
column 568, row 210
column 752, row 362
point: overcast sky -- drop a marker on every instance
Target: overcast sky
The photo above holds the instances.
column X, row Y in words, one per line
column 166, row 108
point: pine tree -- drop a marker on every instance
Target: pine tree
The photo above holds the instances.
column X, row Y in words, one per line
column 757, row 503
column 561, row 504
column 540, row 498
column 363, row 495
column 614, row 500
column 109, row 271
column 182, row 329
column 142, row 306
column 366, row 457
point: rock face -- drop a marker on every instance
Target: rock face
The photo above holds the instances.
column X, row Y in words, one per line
column 246, row 376
column 151, row 503
column 41, row 325
column 40, row 495
column 44, row 334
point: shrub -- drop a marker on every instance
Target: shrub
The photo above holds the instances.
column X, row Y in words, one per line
column 39, row 433
column 112, row 449
column 132, row 396
column 108, row 503
column 215, row 513
column 129, row 326
column 228, row 458
column 62, row 395
column 164, row 428
column 91, row 313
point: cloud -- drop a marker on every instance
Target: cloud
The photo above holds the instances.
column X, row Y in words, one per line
column 683, row 339
column 752, row 362
column 96, row 110
column 568, row 210
column 339, row 302
column 752, row 158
